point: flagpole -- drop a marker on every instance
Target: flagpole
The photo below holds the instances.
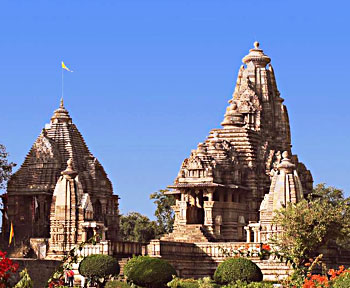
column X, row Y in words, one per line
column 62, row 82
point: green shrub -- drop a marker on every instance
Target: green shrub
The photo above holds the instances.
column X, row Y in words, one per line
column 99, row 266
column 183, row 283
column 207, row 282
column 117, row 284
column 25, row 281
column 342, row 281
column 149, row 272
column 234, row 269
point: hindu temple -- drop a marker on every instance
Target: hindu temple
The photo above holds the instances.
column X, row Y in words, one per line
column 221, row 185
column 61, row 191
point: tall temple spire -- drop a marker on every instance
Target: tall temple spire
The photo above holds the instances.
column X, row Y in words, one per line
column 256, row 103
column 222, row 183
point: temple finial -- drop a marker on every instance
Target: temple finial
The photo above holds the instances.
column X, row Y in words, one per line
column 256, row 44
column 61, row 103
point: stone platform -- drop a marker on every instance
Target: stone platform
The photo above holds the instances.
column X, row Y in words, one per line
column 198, row 260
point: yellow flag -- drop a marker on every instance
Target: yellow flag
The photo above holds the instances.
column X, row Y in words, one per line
column 12, row 234
column 65, row 67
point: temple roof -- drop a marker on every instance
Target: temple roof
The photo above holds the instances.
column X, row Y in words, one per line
column 285, row 188
column 59, row 141
column 254, row 132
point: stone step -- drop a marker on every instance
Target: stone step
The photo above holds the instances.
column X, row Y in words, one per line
column 189, row 233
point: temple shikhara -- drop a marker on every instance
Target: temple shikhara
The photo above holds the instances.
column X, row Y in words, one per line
column 226, row 191
column 221, row 185
column 61, row 192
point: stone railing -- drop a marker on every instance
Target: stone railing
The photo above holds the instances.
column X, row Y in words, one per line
column 119, row 249
column 127, row 249
column 214, row 250
column 98, row 248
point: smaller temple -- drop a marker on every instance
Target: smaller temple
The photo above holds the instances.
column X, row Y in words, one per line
column 285, row 188
column 61, row 194
column 71, row 216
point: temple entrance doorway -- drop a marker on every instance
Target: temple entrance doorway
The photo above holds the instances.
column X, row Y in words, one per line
column 195, row 210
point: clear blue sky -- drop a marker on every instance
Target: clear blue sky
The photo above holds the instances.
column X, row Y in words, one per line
column 153, row 77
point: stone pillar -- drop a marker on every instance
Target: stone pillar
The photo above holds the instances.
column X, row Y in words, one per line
column 229, row 196
column 247, row 229
column 256, row 230
column 84, row 236
column 208, row 213
column 208, row 207
column 183, row 212
column 255, row 236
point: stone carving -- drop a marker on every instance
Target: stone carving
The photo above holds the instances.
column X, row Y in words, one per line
column 44, row 150
column 194, row 163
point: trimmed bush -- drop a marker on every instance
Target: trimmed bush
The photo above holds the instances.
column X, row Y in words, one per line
column 99, row 266
column 234, row 269
column 117, row 284
column 149, row 272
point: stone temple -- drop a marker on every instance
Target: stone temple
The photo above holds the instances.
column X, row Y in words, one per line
column 221, row 185
column 61, row 192
column 228, row 189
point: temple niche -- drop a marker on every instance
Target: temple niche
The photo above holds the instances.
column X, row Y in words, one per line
column 220, row 187
column 61, row 192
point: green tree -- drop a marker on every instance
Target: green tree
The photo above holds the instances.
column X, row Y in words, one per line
column 321, row 220
column 5, row 167
column 164, row 212
column 98, row 268
column 137, row 227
